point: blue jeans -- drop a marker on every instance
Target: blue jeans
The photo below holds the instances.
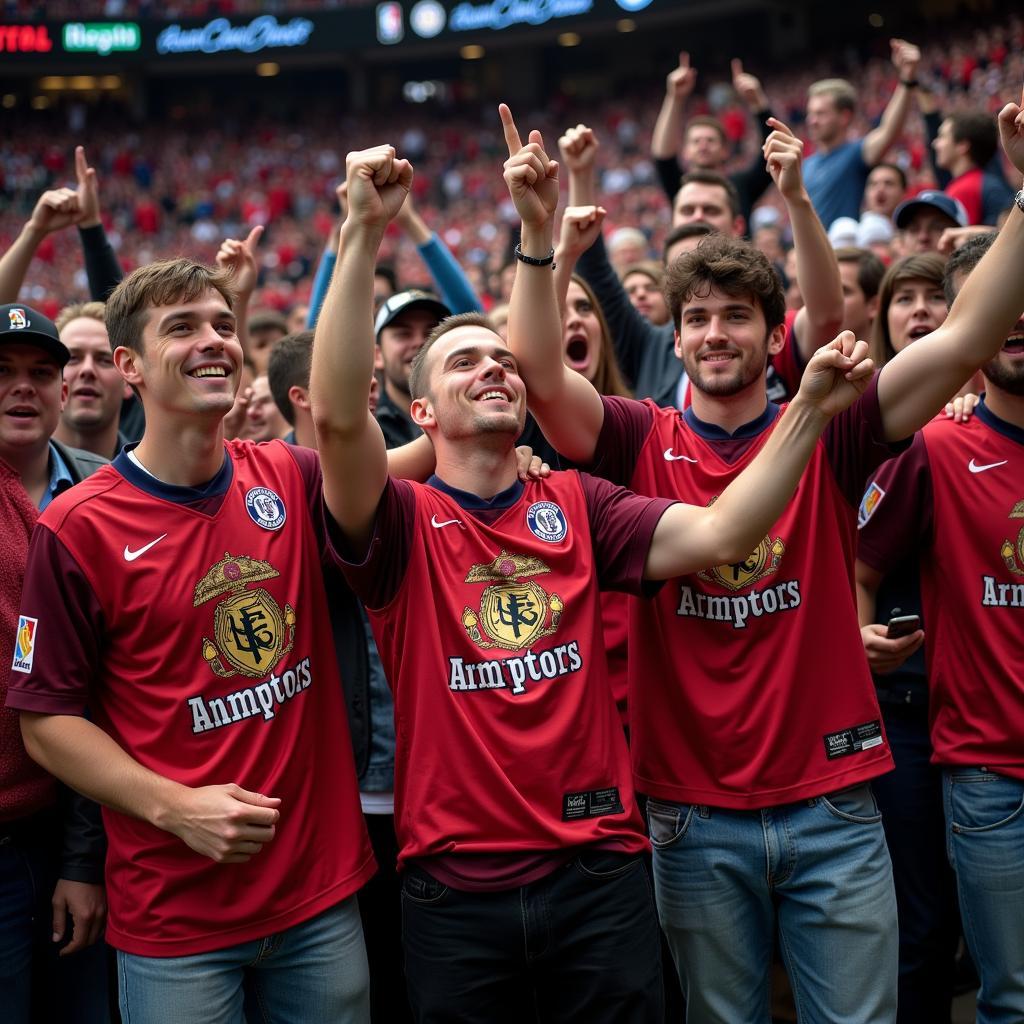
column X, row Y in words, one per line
column 315, row 971
column 816, row 872
column 985, row 843
column 36, row 984
column 579, row 944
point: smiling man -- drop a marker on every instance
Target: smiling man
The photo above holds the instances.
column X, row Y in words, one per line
column 177, row 597
column 519, row 835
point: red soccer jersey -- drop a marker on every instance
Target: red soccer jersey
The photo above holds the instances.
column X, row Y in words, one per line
column 748, row 683
column 958, row 496
column 197, row 634
column 508, row 741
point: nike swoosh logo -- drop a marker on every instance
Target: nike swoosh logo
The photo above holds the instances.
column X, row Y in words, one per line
column 447, row 522
column 975, row 468
column 670, row 457
column 130, row 556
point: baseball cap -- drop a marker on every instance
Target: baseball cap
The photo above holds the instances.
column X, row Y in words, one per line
column 951, row 207
column 875, row 229
column 394, row 307
column 24, row 325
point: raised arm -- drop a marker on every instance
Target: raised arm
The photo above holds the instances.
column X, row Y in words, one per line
column 915, row 384
column 817, row 270
column 556, row 394
column 689, row 537
column 328, row 258
column 452, row 283
column 56, row 209
column 238, row 258
column 102, row 269
column 668, row 128
column 352, row 451
column 906, row 57
column 631, row 334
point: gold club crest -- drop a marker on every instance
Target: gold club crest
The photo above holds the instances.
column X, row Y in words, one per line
column 1013, row 553
column 251, row 633
column 763, row 561
column 514, row 613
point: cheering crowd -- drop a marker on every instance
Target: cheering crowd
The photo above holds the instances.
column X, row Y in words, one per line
column 455, row 640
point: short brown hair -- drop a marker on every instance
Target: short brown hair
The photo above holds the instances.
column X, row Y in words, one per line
column 289, row 366
column 731, row 266
column 979, row 130
column 89, row 310
column 713, row 178
column 159, row 284
column 925, row 266
column 843, row 94
column 417, row 373
column 870, row 269
column 706, row 121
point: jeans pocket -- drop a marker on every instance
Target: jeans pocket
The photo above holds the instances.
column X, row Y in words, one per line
column 855, row 804
column 605, row 864
column 667, row 823
column 984, row 801
column 422, row 888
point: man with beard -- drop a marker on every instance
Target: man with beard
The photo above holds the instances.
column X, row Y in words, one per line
column 755, row 726
column 955, row 498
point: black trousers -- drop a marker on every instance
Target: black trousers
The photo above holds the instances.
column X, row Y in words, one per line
column 581, row 944
column 915, row 830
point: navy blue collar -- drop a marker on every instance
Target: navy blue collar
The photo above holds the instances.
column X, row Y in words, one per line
column 173, row 492
column 990, row 419
column 713, row 432
column 473, row 502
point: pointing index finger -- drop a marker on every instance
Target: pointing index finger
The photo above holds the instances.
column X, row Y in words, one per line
column 779, row 125
column 512, row 139
column 81, row 165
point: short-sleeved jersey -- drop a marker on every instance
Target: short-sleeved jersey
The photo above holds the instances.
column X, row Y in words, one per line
column 958, row 496
column 508, row 741
column 196, row 633
column 748, row 682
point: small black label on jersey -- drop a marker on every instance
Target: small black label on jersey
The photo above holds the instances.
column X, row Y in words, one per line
column 591, row 803
column 853, row 741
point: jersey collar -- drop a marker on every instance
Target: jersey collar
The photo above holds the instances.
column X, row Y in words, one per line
column 713, row 432
column 473, row 502
column 1000, row 426
column 173, row 492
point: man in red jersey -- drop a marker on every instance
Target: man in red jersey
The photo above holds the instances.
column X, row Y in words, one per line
column 956, row 501
column 177, row 596
column 755, row 728
column 514, row 807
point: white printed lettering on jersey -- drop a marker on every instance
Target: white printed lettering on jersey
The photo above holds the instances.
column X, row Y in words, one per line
column 670, row 456
column 447, row 522
column 130, row 556
column 975, row 468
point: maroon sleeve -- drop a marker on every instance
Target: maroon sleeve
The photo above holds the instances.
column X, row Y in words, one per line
column 627, row 423
column 621, row 526
column 787, row 362
column 66, row 651
column 897, row 513
column 376, row 577
column 308, row 462
column 856, row 444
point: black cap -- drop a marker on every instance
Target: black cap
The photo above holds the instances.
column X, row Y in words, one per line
column 394, row 307
column 23, row 325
